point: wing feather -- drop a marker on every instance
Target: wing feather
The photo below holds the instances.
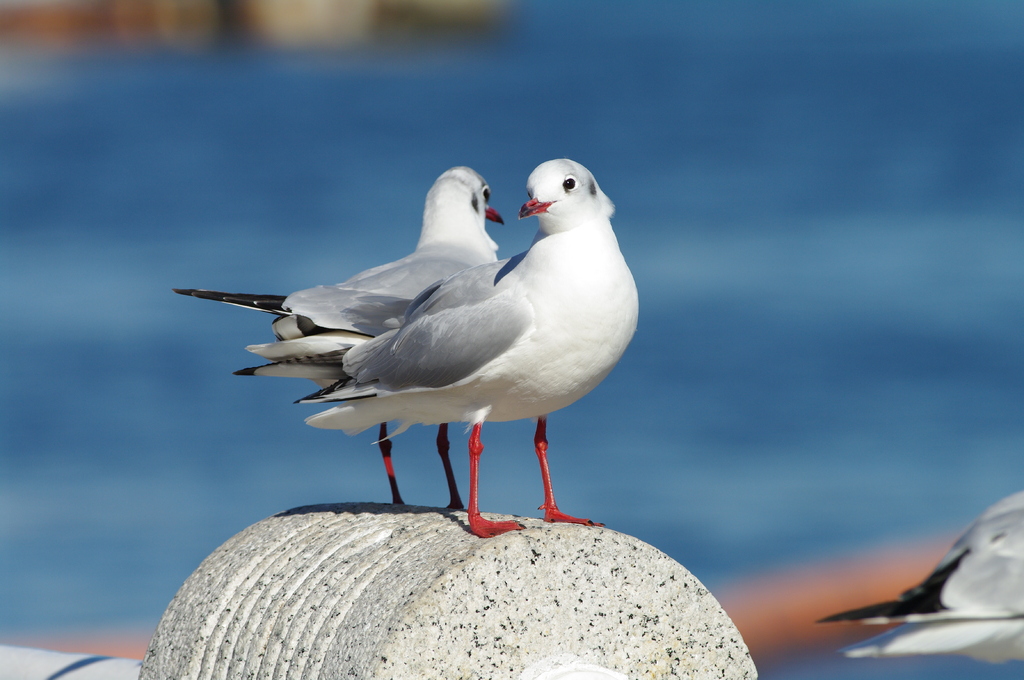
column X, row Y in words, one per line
column 450, row 332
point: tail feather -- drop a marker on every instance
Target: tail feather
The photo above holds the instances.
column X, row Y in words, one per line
column 322, row 374
column 329, row 344
column 272, row 304
column 328, row 366
column 348, row 388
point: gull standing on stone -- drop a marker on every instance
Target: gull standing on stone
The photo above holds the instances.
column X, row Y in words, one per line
column 315, row 327
column 973, row 603
column 514, row 339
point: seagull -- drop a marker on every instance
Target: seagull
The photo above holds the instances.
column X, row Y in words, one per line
column 514, row 339
column 973, row 603
column 316, row 326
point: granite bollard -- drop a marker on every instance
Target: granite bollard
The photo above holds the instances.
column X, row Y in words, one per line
column 361, row 590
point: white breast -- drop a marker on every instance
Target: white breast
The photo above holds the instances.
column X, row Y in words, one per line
column 585, row 313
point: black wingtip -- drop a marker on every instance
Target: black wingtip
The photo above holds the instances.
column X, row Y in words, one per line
column 922, row 599
column 264, row 303
column 248, row 371
column 885, row 609
column 322, row 392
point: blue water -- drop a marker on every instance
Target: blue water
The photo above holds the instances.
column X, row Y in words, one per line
column 823, row 207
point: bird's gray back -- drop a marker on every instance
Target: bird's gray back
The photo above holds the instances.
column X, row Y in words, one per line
column 374, row 300
column 460, row 326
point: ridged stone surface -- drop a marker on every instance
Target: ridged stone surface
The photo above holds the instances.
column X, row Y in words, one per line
column 362, row 590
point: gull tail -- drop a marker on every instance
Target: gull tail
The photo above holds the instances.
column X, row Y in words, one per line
column 326, row 369
column 345, row 389
column 322, row 374
column 329, row 345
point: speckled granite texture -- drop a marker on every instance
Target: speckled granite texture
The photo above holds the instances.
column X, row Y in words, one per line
column 381, row 591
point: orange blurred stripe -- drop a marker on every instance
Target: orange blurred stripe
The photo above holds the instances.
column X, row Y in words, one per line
column 125, row 644
column 776, row 612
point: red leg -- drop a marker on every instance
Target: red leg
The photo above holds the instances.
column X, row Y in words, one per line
column 551, row 511
column 484, row 528
column 442, row 450
column 385, row 451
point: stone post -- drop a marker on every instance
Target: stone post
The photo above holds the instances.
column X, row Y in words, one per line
column 370, row 591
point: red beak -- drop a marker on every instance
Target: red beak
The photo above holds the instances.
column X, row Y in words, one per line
column 493, row 215
column 533, row 207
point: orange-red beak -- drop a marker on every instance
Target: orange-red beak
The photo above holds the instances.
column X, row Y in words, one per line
column 493, row 215
column 533, row 207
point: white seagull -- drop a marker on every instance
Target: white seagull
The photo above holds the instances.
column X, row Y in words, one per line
column 316, row 326
column 514, row 339
column 973, row 603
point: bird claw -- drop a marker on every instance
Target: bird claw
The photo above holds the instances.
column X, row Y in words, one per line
column 556, row 515
column 485, row 528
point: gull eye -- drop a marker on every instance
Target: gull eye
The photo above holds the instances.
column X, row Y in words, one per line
column 569, row 184
column 487, row 194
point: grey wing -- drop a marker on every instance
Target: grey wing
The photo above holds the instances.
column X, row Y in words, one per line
column 464, row 323
column 348, row 309
column 411, row 274
column 990, row 577
column 373, row 301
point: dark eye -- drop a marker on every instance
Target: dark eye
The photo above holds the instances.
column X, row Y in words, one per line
column 487, row 194
column 569, row 184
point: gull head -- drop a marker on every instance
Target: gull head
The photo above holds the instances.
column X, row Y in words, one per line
column 456, row 208
column 563, row 194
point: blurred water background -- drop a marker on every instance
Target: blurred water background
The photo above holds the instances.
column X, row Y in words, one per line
column 822, row 204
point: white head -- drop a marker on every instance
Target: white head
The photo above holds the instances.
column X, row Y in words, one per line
column 563, row 194
column 455, row 211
